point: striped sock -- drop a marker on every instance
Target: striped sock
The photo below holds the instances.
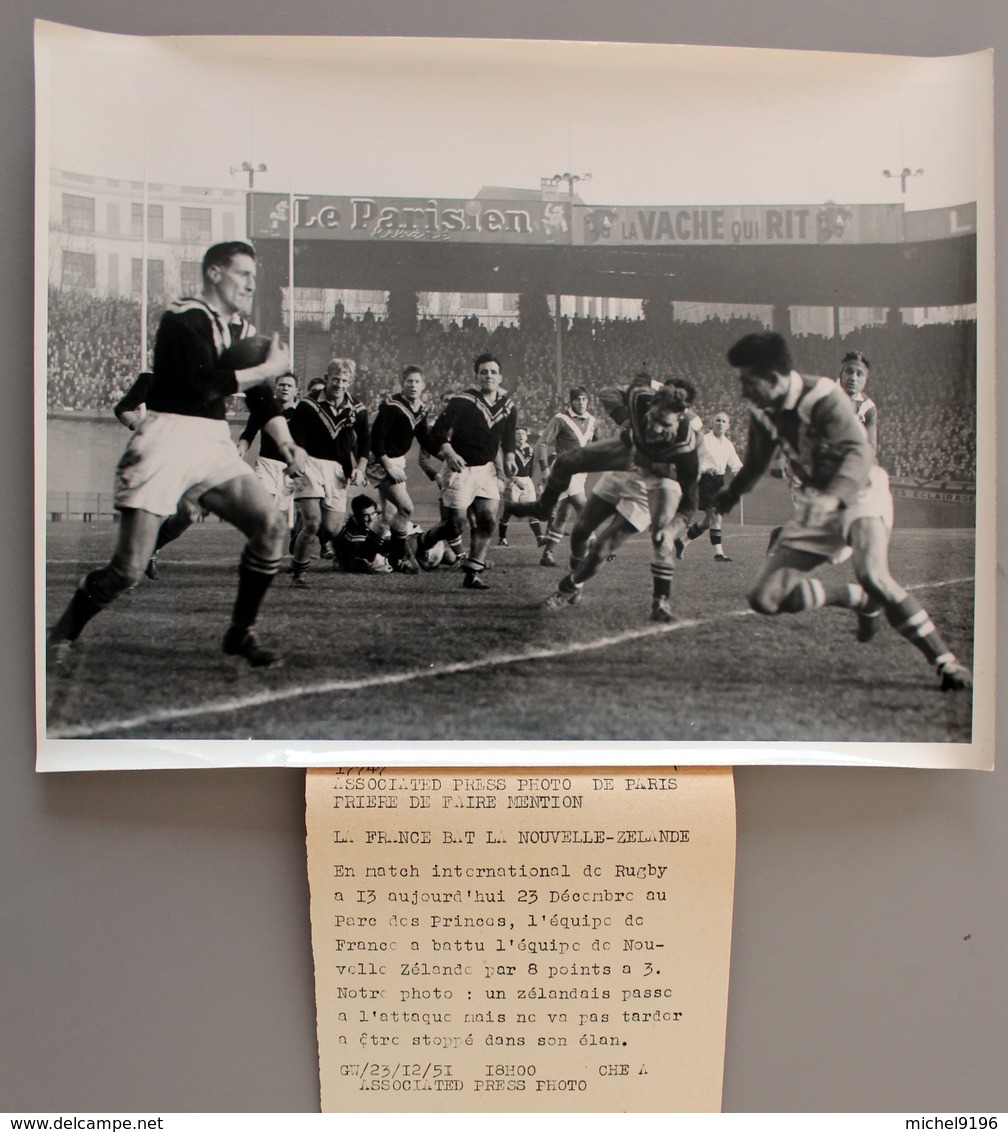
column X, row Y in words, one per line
column 911, row 620
column 808, row 594
column 661, row 578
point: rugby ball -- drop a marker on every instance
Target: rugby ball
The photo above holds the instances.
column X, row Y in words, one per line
column 246, row 352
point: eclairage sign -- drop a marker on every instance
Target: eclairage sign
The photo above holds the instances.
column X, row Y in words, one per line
column 566, row 223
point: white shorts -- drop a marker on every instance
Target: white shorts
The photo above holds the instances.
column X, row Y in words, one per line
column 376, row 473
column 873, row 501
column 174, row 459
column 578, row 486
column 521, row 490
column 459, row 489
column 324, row 480
column 634, row 493
column 627, row 493
column 272, row 474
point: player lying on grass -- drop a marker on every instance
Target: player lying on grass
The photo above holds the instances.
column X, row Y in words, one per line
column 359, row 547
column 183, row 451
column 657, row 491
column 843, row 499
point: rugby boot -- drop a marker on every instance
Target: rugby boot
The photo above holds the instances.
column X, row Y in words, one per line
column 955, row 677
column 661, row 610
column 239, row 641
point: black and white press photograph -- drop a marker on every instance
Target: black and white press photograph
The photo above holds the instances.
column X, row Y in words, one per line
column 467, row 400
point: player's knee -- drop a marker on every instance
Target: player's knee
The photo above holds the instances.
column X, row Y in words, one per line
column 662, row 547
column 767, row 595
column 120, row 575
column 763, row 601
column 878, row 582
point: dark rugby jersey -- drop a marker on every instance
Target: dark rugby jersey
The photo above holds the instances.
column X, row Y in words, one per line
column 395, row 425
column 188, row 379
column 523, row 460
column 355, row 546
column 476, row 428
column 331, row 432
column 638, row 400
column 268, row 449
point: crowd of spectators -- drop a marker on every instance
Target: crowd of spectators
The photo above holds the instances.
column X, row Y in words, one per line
column 922, row 378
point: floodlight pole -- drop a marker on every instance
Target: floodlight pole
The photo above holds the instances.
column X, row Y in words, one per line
column 552, row 183
column 904, row 175
column 248, row 167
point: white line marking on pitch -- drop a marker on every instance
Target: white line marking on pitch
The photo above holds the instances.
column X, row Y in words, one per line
column 279, row 695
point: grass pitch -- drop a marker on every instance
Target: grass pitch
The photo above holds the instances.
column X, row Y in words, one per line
column 393, row 657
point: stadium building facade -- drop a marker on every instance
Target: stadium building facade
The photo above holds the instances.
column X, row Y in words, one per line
column 97, row 237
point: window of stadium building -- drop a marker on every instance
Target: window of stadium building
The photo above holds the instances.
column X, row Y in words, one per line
column 155, row 220
column 196, row 225
column 78, row 213
column 191, row 277
column 474, row 301
column 155, row 277
column 78, row 269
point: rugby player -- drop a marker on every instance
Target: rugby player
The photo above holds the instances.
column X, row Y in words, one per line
column 359, row 548
column 475, row 425
column 854, row 369
column 569, row 430
column 844, row 499
column 399, row 419
column 182, row 451
column 520, row 489
column 270, row 467
column 334, row 432
column 853, row 375
column 658, row 490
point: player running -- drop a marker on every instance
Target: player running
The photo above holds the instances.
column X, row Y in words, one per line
column 569, row 430
column 182, row 451
column 334, row 432
column 399, row 419
column 473, row 428
column 270, row 467
column 520, row 489
column 844, row 499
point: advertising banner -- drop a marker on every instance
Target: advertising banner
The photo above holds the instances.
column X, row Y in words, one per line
column 427, row 219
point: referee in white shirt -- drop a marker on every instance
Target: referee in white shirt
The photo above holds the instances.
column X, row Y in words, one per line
column 717, row 456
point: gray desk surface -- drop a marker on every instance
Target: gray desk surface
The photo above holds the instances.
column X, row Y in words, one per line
column 155, row 930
